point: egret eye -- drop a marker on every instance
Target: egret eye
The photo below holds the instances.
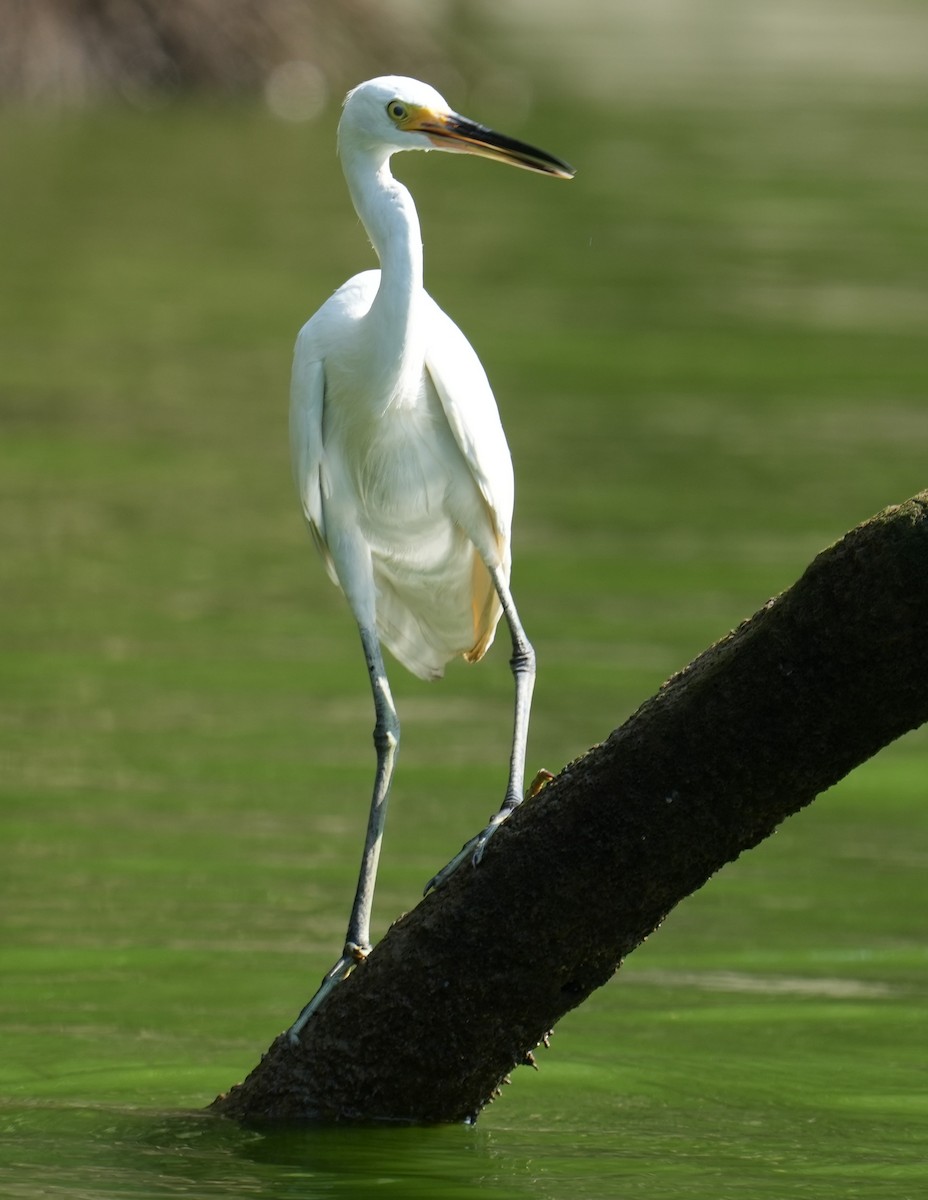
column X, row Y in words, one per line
column 397, row 110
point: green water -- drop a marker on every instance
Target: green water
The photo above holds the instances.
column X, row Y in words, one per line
column 709, row 350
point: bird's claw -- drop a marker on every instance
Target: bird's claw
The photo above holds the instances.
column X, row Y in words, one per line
column 473, row 850
column 352, row 955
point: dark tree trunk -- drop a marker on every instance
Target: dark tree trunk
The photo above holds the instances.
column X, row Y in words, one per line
column 461, row 989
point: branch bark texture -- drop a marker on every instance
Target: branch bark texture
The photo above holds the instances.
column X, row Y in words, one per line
column 462, row 988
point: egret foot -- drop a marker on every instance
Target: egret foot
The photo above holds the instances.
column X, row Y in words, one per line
column 472, row 850
column 475, row 848
column 351, row 956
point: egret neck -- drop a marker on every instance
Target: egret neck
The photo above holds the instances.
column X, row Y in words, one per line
column 394, row 338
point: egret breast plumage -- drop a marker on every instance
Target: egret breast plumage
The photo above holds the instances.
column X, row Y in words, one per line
column 400, row 458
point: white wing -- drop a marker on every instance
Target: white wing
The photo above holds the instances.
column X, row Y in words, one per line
column 467, row 399
column 307, row 400
column 320, row 335
column 405, row 621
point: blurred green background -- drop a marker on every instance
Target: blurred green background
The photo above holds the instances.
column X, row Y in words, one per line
column 709, row 354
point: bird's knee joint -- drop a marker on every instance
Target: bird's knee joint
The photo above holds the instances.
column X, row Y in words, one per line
column 387, row 738
column 523, row 660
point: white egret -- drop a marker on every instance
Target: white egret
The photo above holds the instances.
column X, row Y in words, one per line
column 400, row 459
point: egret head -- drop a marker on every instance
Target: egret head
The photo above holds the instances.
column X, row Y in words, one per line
column 393, row 113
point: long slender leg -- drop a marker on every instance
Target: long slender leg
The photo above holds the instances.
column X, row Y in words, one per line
column 522, row 664
column 386, row 743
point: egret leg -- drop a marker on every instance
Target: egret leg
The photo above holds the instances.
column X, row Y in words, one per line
column 522, row 664
column 386, row 743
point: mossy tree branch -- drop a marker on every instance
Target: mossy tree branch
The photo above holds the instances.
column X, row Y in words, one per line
column 461, row 989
